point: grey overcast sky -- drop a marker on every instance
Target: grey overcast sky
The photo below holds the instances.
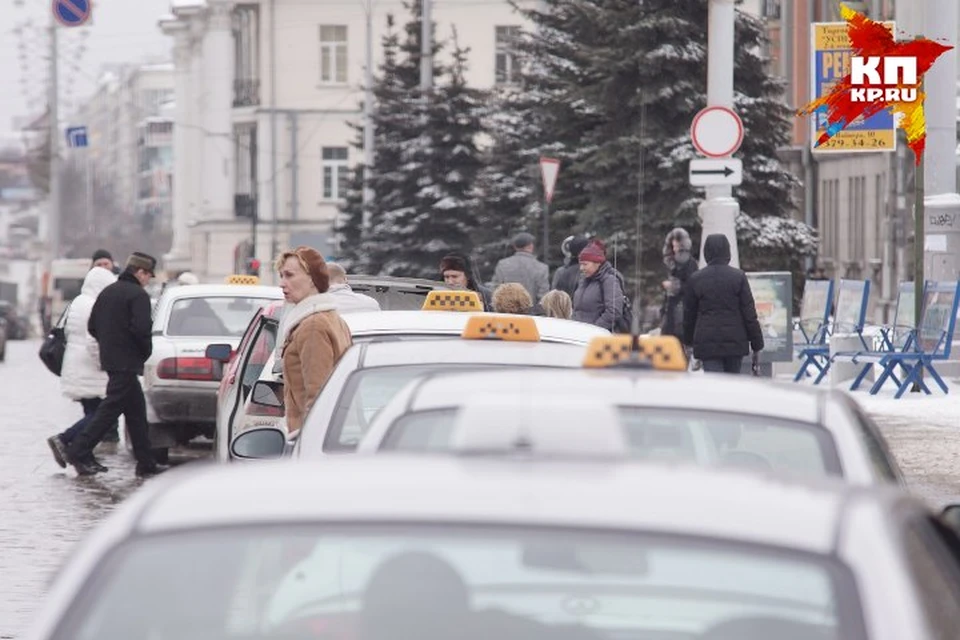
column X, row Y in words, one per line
column 122, row 31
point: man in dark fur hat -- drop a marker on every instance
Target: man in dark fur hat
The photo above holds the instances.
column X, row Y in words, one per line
column 457, row 273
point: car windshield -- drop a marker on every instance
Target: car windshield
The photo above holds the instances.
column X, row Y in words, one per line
column 221, row 316
column 442, row 582
column 365, row 393
column 391, row 298
column 757, row 442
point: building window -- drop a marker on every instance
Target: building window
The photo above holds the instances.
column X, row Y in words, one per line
column 771, row 9
column 507, row 67
column 335, row 172
column 333, row 54
column 246, row 56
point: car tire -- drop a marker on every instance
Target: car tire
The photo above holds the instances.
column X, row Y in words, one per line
column 162, row 456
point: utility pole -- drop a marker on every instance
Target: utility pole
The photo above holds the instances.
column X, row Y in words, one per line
column 53, row 228
column 426, row 46
column 368, row 117
column 274, row 136
column 719, row 210
column 942, row 207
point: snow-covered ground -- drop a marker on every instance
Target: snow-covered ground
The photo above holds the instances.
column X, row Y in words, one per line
column 924, row 434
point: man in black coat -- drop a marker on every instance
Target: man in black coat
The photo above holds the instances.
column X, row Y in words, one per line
column 121, row 323
column 719, row 315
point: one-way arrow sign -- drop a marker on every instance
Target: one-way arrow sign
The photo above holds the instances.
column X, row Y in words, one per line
column 706, row 172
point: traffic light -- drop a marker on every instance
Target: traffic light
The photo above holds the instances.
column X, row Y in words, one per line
column 253, row 267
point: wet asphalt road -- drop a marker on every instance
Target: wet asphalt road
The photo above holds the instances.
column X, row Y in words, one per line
column 45, row 510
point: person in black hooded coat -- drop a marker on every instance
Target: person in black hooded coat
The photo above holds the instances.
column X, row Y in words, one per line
column 720, row 318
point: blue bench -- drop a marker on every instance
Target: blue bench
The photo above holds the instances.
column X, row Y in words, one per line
column 898, row 337
column 932, row 342
column 849, row 318
column 813, row 324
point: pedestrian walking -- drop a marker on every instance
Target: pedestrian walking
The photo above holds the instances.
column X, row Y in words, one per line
column 567, row 277
column 600, row 298
column 720, row 318
column 81, row 378
column 345, row 298
column 313, row 334
column 523, row 267
column 457, row 273
column 680, row 266
column 121, row 324
column 104, row 259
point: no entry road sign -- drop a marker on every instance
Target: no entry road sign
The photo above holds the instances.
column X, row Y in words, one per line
column 716, row 132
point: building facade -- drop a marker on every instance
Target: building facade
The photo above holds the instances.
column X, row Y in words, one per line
column 276, row 85
column 124, row 137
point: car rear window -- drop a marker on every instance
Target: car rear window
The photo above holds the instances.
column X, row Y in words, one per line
column 221, row 316
column 419, row 582
column 699, row 437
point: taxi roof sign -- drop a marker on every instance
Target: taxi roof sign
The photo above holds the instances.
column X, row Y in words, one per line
column 452, row 300
column 241, row 278
column 663, row 353
column 501, row 327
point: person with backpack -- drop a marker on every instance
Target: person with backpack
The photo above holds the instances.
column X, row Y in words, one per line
column 599, row 298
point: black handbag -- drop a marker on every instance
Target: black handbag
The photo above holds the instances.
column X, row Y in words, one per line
column 55, row 345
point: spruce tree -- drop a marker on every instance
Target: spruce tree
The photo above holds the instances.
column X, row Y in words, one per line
column 349, row 225
column 616, row 84
column 429, row 185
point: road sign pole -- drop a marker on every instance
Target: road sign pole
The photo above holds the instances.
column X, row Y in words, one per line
column 53, row 99
column 719, row 211
column 918, row 250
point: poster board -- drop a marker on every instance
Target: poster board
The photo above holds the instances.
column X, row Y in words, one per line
column 939, row 316
column 830, row 51
column 773, row 297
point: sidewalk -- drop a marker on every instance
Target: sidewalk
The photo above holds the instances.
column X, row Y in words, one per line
column 924, row 433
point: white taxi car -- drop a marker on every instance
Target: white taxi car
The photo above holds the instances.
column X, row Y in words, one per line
column 370, row 373
column 179, row 381
column 445, row 315
column 601, row 410
column 424, row 548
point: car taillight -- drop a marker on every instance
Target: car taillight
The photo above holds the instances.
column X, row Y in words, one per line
column 185, row 369
column 263, row 410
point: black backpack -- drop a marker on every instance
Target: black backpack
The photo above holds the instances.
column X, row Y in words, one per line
column 55, row 345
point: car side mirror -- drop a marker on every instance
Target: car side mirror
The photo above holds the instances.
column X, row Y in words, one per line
column 951, row 516
column 262, row 443
column 219, row 352
column 268, row 393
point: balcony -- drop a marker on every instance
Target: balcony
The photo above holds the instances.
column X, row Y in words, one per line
column 244, row 205
column 246, row 92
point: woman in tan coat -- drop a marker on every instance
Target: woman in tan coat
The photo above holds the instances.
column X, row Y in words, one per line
column 313, row 334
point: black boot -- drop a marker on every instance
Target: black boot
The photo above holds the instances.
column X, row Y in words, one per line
column 149, row 470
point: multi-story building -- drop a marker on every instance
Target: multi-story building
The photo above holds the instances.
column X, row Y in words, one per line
column 281, row 81
column 848, row 197
column 155, row 178
column 118, row 116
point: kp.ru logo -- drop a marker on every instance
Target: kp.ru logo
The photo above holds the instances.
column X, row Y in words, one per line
column 866, row 85
column 884, row 74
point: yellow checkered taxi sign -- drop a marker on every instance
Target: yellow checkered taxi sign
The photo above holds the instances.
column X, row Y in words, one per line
column 452, row 300
column 239, row 278
column 663, row 353
column 501, row 327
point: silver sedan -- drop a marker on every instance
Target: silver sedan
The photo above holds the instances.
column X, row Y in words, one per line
column 728, row 420
column 434, row 548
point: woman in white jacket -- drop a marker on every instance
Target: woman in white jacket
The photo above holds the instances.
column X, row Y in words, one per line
column 81, row 378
